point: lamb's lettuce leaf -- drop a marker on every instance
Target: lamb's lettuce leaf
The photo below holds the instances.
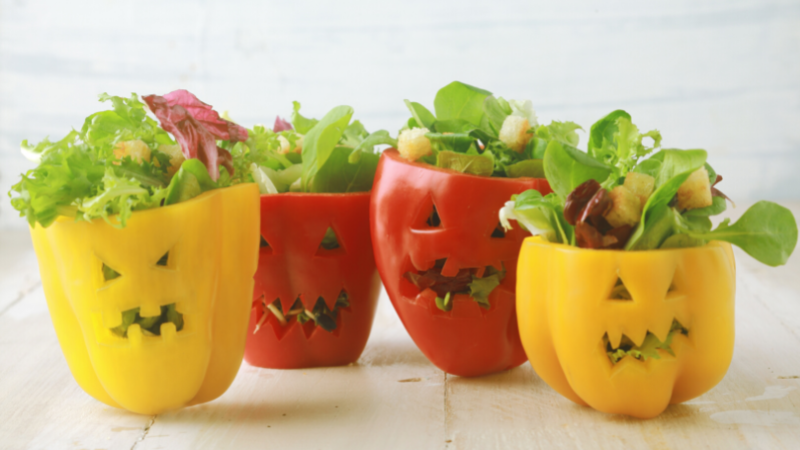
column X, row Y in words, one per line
column 766, row 231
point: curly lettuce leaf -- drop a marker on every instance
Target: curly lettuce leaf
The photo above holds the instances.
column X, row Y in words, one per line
column 120, row 196
column 52, row 188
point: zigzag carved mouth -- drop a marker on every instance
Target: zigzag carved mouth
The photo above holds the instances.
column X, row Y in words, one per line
column 297, row 315
column 166, row 322
column 647, row 349
column 478, row 283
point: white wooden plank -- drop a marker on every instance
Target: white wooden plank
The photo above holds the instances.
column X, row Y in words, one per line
column 20, row 272
column 367, row 405
column 757, row 405
column 41, row 405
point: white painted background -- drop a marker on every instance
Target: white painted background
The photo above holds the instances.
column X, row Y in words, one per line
column 719, row 75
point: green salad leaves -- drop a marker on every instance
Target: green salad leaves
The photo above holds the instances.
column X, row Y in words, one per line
column 476, row 133
column 625, row 194
column 332, row 154
column 120, row 161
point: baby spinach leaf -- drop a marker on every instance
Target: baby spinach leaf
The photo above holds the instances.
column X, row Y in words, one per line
column 301, row 124
column 533, row 168
column 567, row 167
column 674, row 168
column 423, row 117
column 718, row 206
column 456, row 142
column 319, row 144
column 191, row 180
column 676, row 163
column 380, row 137
column 682, row 241
column 658, row 225
column 471, row 164
column 649, row 166
column 354, row 134
column 460, row 101
column 497, row 109
column 340, row 175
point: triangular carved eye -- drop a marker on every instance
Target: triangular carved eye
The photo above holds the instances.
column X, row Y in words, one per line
column 109, row 273
column 620, row 292
column 433, row 219
column 427, row 215
column 330, row 243
column 264, row 243
column 164, row 260
column 499, row 232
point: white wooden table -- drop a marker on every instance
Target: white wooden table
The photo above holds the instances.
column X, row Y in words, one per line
column 393, row 397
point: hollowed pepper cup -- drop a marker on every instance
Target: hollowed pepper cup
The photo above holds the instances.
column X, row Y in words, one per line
column 578, row 307
column 468, row 340
column 295, row 267
column 198, row 256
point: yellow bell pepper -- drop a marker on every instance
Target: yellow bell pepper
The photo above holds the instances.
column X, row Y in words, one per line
column 212, row 246
column 571, row 314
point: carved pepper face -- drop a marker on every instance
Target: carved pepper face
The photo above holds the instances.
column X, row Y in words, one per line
column 468, row 340
column 580, row 309
column 197, row 256
column 294, row 264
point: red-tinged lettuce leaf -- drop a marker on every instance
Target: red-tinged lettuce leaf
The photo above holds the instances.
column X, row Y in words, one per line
column 281, row 125
column 221, row 129
column 196, row 140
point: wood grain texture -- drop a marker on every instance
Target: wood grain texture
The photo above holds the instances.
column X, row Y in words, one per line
column 720, row 75
column 393, row 398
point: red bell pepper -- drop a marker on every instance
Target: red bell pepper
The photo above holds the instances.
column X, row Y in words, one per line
column 468, row 340
column 292, row 264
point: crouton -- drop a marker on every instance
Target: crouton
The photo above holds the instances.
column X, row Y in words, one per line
column 626, row 207
column 514, row 133
column 413, row 145
column 640, row 184
column 695, row 192
column 298, row 145
column 136, row 149
column 175, row 154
